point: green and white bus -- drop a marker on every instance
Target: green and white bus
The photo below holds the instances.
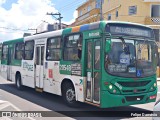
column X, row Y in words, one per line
column 106, row 64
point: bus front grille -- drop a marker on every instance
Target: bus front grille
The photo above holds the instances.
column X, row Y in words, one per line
column 132, row 91
column 134, row 84
column 134, row 98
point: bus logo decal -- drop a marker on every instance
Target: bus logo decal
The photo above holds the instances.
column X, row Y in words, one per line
column 94, row 34
column 81, row 82
column 27, row 66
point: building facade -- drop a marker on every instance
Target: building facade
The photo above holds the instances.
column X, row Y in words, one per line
column 139, row 11
column 145, row 12
column 88, row 12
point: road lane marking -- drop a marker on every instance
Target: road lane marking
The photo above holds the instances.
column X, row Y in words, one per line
column 2, row 101
column 6, row 104
column 5, row 118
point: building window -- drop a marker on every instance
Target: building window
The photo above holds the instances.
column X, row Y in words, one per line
column 88, row 8
column 116, row 13
column 19, row 48
column 109, row 16
column 155, row 12
column 80, row 13
column 53, row 49
column 132, row 10
column 98, row 3
column 29, row 50
column 72, row 47
column 5, row 52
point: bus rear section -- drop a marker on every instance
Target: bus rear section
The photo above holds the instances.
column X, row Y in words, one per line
column 12, row 52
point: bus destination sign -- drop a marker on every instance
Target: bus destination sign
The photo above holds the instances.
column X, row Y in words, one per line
column 131, row 30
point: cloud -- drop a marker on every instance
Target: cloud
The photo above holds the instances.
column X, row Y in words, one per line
column 2, row 2
column 23, row 15
column 75, row 15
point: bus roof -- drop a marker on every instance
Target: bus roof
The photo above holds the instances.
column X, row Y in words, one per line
column 43, row 35
column 85, row 27
column 13, row 41
column 96, row 25
column 124, row 22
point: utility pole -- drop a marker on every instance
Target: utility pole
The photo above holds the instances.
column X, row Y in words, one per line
column 101, row 10
column 59, row 14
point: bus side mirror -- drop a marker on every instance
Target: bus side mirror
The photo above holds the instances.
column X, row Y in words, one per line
column 108, row 46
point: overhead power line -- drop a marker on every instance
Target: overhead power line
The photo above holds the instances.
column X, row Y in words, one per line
column 13, row 29
column 59, row 18
column 73, row 3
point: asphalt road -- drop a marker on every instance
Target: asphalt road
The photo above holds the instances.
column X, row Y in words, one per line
column 12, row 99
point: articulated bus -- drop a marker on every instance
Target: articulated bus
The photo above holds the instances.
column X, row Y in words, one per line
column 106, row 64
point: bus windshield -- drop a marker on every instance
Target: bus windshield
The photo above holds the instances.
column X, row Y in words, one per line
column 139, row 61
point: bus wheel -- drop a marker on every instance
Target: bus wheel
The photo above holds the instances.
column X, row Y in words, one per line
column 18, row 82
column 69, row 95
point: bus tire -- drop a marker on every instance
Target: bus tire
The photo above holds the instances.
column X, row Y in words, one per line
column 68, row 95
column 18, row 82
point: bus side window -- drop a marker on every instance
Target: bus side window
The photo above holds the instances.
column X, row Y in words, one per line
column 4, row 52
column 72, row 47
column 29, row 50
column 19, row 49
column 53, row 49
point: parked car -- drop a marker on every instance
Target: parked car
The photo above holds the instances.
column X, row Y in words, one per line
column 157, row 108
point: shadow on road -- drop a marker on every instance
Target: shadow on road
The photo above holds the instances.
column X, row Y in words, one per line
column 55, row 103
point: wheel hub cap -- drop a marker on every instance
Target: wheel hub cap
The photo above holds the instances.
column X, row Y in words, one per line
column 70, row 95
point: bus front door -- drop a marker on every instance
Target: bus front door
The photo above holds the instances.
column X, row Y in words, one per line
column 9, row 67
column 39, row 66
column 93, row 71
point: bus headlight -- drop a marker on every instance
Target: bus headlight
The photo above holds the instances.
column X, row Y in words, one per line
column 155, row 84
column 110, row 86
column 113, row 89
column 153, row 87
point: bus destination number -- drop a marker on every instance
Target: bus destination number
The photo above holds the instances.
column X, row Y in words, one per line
column 65, row 67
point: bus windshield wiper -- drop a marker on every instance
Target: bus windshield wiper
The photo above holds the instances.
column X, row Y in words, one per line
column 141, row 47
column 125, row 46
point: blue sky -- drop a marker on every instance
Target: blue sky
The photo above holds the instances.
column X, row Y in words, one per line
column 65, row 7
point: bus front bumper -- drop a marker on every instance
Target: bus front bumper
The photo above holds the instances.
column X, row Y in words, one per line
column 114, row 100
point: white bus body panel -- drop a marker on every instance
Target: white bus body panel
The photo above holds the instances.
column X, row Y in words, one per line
column 52, row 78
column 28, row 73
column 4, row 71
